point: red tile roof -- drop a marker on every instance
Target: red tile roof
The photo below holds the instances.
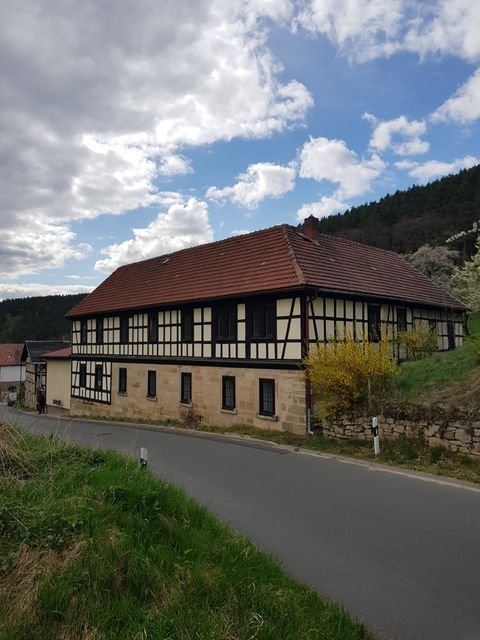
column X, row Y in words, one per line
column 11, row 354
column 272, row 260
column 59, row 354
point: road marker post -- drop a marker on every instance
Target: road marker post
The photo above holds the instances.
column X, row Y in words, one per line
column 143, row 457
column 376, row 437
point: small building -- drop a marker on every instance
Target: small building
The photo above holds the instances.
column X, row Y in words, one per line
column 35, row 371
column 218, row 332
column 12, row 368
column 58, row 386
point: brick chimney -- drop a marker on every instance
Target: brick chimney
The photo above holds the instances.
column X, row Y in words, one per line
column 310, row 227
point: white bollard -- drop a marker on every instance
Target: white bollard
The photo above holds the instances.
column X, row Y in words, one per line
column 143, row 457
column 376, row 438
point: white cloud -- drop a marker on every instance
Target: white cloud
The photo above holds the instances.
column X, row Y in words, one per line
column 27, row 290
column 361, row 29
column 400, row 135
column 332, row 160
column 321, row 209
column 435, row 169
column 98, row 101
column 174, row 164
column 444, row 27
column 260, row 181
column 464, row 106
column 183, row 225
column 368, row 29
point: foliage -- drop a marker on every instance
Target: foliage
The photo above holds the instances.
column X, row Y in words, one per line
column 92, row 546
column 466, row 281
column 349, row 374
column 38, row 318
column 406, row 220
column 443, row 371
column 419, row 343
column 437, row 263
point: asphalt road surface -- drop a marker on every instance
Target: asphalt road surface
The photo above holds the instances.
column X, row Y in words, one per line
column 401, row 551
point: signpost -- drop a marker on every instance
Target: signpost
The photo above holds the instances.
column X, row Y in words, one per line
column 376, row 438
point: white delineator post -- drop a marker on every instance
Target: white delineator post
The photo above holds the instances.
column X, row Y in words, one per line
column 143, row 457
column 376, row 438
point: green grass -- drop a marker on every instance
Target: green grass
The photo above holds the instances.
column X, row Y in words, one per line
column 93, row 547
column 422, row 378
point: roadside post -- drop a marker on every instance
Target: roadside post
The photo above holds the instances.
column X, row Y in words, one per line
column 376, row 438
column 143, row 457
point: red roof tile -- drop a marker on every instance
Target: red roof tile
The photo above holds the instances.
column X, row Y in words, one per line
column 277, row 259
column 59, row 354
column 11, row 354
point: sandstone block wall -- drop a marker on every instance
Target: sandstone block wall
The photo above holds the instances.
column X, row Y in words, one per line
column 456, row 436
column 206, row 397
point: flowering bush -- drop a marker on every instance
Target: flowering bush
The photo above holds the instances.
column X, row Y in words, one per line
column 349, row 374
column 418, row 344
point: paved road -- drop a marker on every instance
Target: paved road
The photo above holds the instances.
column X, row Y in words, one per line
column 400, row 552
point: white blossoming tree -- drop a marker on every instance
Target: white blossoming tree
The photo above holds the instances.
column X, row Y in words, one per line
column 466, row 280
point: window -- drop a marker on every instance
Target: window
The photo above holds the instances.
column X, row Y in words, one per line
column 124, row 329
column 99, row 331
column 83, row 375
column 225, row 323
column 186, row 390
column 153, row 327
column 262, row 321
column 98, row 377
column 374, row 334
column 83, row 331
column 267, row 397
column 187, row 325
column 432, row 325
column 401, row 319
column 152, row 384
column 228, row 392
column 122, row 380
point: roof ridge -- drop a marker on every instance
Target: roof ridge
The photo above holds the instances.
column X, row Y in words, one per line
column 298, row 269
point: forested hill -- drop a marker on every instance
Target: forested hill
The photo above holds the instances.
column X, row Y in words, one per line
column 409, row 219
column 38, row 318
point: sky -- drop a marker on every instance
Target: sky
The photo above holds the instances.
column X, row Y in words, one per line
column 134, row 129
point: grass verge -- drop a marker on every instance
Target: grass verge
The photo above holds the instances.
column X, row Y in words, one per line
column 93, row 547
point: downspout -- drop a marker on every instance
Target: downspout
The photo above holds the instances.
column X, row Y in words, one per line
column 305, row 346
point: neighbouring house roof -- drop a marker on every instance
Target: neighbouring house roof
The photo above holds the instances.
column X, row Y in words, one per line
column 11, row 354
column 59, row 354
column 280, row 258
column 36, row 348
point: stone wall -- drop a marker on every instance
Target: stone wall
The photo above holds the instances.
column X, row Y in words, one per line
column 206, row 397
column 456, row 436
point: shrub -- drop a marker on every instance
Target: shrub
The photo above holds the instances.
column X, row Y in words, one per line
column 419, row 343
column 350, row 374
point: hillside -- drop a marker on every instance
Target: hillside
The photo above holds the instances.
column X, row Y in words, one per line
column 38, row 318
column 408, row 219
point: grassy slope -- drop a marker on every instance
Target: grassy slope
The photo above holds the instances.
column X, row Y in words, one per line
column 445, row 376
column 92, row 547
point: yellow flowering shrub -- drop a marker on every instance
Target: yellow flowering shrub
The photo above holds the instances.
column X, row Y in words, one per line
column 419, row 343
column 349, row 374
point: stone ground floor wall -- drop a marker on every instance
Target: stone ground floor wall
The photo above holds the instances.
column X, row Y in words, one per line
column 456, row 436
column 206, row 406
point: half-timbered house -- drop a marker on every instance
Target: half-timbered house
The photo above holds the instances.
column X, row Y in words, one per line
column 218, row 332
